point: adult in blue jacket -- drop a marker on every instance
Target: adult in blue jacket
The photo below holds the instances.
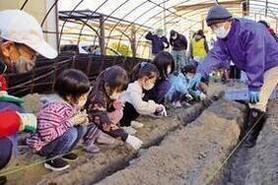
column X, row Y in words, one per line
column 253, row 50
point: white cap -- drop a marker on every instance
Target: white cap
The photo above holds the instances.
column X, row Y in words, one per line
column 18, row 26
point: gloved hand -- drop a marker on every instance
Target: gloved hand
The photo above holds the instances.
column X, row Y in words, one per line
column 195, row 81
column 160, row 111
column 254, row 97
column 28, row 122
column 134, row 142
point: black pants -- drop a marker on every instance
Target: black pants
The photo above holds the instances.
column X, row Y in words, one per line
column 234, row 72
column 130, row 114
column 6, row 150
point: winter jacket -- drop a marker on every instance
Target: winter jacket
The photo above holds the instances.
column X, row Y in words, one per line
column 157, row 42
column 250, row 46
column 179, row 44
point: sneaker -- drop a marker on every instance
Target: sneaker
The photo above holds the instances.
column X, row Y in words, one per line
column 56, row 164
column 129, row 130
column 178, row 104
column 92, row 148
column 174, row 104
column 3, row 180
column 105, row 139
column 136, row 124
column 70, row 157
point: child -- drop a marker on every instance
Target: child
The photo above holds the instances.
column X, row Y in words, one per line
column 143, row 78
column 166, row 65
column 56, row 134
column 180, row 87
column 104, row 108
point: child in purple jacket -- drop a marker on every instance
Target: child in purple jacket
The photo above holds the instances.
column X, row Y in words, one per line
column 166, row 65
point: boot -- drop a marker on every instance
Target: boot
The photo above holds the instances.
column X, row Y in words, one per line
column 255, row 117
column 3, row 180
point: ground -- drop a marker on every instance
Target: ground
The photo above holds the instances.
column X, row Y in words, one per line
column 188, row 147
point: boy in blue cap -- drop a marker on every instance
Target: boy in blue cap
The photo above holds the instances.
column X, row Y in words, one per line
column 253, row 50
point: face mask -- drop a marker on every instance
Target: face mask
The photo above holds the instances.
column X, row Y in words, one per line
column 169, row 70
column 175, row 36
column 148, row 86
column 22, row 66
column 189, row 76
column 221, row 32
column 115, row 96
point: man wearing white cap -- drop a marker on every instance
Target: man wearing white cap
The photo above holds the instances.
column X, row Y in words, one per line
column 21, row 37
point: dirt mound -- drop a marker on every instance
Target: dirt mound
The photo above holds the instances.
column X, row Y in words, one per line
column 258, row 165
column 189, row 155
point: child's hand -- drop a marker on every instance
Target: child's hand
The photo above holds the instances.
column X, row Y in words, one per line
column 160, row 111
column 118, row 105
column 80, row 118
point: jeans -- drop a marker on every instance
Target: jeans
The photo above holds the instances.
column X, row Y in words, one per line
column 62, row 144
column 179, row 57
column 6, row 148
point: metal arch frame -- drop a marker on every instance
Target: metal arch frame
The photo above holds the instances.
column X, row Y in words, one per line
column 81, row 30
column 236, row 11
column 48, row 12
column 133, row 22
column 254, row 12
column 62, row 28
column 109, row 15
column 274, row 17
column 150, row 17
column 160, row 13
column 156, row 5
column 23, row 5
column 156, row 22
column 138, row 17
column 249, row 4
column 176, row 18
column 124, row 18
column 183, row 15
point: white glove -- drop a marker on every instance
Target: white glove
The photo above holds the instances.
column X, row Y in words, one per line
column 202, row 96
column 164, row 112
column 189, row 97
column 161, row 111
column 133, row 141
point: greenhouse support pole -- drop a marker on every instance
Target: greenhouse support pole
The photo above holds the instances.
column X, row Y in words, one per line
column 245, row 8
column 133, row 41
column 102, row 36
column 203, row 24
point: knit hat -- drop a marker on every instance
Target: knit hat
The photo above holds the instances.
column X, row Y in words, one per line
column 217, row 14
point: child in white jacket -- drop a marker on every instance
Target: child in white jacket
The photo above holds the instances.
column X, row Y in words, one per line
column 143, row 78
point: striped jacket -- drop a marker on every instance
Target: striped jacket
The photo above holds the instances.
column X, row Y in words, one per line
column 53, row 122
